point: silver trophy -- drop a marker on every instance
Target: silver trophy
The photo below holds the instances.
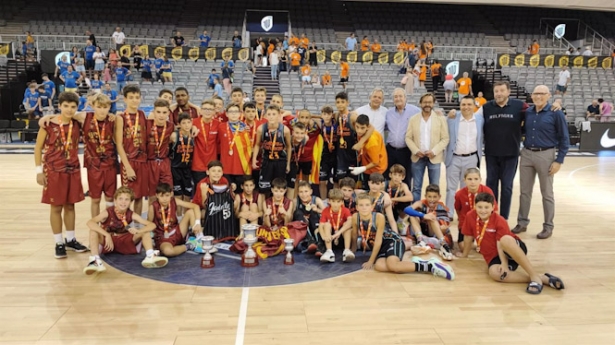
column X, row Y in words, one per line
column 208, row 245
column 288, row 246
column 249, row 258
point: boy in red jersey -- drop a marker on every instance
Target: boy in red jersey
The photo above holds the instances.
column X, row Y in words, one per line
column 159, row 132
column 169, row 233
column 278, row 208
column 335, row 223
column 110, row 231
column 235, row 147
column 219, row 105
column 275, row 140
column 464, row 199
column 131, row 139
column 58, row 171
column 206, row 142
column 502, row 250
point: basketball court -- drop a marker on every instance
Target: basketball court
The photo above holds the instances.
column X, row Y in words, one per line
column 49, row 301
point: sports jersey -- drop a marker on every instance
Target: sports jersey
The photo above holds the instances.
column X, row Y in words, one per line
column 272, row 143
column 99, row 149
column 182, row 150
column 116, row 224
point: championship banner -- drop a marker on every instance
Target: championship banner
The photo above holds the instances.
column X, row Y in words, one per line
column 518, row 60
column 7, row 49
column 351, row 57
column 190, row 53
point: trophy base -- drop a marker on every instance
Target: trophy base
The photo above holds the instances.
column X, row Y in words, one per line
column 249, row 262
column 208, row 263
column 289, row 262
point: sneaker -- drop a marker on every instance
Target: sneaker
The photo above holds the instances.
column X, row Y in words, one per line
column 195, row 246
column 440, row 269
column 445, row 251
column 154, row 261
column 312, row 248
column 328, row 256
column 348, row 256
column 60, row 251
column 94, row 266
column 74, row 245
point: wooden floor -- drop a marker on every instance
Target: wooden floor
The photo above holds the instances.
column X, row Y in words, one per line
column 49, row 301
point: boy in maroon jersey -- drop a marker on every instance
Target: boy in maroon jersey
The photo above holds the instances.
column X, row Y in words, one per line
column 206, row 142
column 59, row 172
column 110, row 232
column 502, row 250
column 278, row 208
column 169, row 233
column 159, row 132
column 131, row 137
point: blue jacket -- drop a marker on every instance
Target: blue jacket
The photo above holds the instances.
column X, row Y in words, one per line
column 453, row 128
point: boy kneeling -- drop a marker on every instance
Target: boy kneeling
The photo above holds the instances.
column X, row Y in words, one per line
column 109, row 232
column 503, row 251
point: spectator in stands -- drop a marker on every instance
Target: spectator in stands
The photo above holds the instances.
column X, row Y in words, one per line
column 118, row 37
column 535, row 48
column 588, row 51
column 71, row 79
column 422, row 67
column 236, row 40
column 80, row 64
column 344, row 72
column 89, row 49
column 295, row 62
column 270, row 48
column 30, row 100
column 99, row 60
column 91, row 37
column 436, row 72
column 578, row 52
column 449, row 87
column 167, row 70
column 326, row 79
column 315, row 79
column 112, row 94
column 429, row 47
column 562, row 81
column 351, row 42
column 407, row 82
column 304, row 42
column 44, row 105
column 427, row 138
column 313, row 55
column 606, row 108
column 259, row 51
column 464, row 85
column 593, row 110
column 423, row 53
column 306, row 74
column 136, row 57
column 107, row 73
column 303, row 53
column 283, row 61
column 96, row 84
column 543, row 154
column 285, row 43
column 364, row 44
column 146, row 74
column 570, row 51
column 218, row 88
column 74, row 53
column 125, row 62
column 50, row 86
column 114, row 58
column 250, row 67
column 178, row 40
column 402, row 45
column 375, row 111
column 274, row 62
column 121, row 73
column 210, row 80
column 205, row 39
column 29, row 40
column 397, row 119
column 376, row 47
column 227, row 73
column 294, row 41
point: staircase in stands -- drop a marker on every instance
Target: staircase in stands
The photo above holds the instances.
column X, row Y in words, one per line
column 262, row 78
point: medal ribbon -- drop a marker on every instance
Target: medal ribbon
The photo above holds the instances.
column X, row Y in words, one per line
column 133, row 129
column 480, row 237
column 166, row 221
column 364, row 232
column 335, row 226
column 101, row 136
column 272, row 153
column 66, row 141
column 159, row 143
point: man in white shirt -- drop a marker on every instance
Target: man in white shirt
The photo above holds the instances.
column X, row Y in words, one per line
column 563, row 81
column 351, row 42
column 118, row 37
column 375, row 111
column 588, row 51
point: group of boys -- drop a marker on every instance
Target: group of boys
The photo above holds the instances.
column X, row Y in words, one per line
column 229, row 152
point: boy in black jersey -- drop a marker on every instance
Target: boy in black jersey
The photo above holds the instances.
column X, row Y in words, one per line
column 182, row 149
column 328, row 161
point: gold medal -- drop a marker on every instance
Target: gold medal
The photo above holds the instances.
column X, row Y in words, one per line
column 308, row 207
column 342, row 141
column 230, row 152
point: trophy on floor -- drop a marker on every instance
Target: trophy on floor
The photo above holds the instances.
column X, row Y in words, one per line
column 288, row 246
column 208, row 259
column 249, row 258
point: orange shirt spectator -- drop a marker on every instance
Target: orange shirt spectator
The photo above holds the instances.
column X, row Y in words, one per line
column 270, row 49
column 345, row 70
column 534, row 48
column 365, row 44
column 295, row 59
column 294, row 40
column 423, row 75
column 429, row 48
column 376, row 47
column 411, row 46
column 480, row 101
column 304, row 42
column 306, row 70
column 435, row 69
column 326, row 79
column 401, row 47
column 464, row 84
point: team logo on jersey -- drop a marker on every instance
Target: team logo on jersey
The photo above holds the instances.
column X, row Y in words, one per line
column 267, row 23
column 453, row 68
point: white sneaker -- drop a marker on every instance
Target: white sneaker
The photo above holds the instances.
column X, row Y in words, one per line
column 154, row 261
column 348, row 256
column 445, row 252
column 440, row 269
column 94, row 266
column 328, row 256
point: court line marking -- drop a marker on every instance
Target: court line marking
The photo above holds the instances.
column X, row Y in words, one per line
column 243, row 312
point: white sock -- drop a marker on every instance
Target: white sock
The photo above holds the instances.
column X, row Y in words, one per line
column 109, row 204
column 58, row 238
column 97, row 257
column 149, row 252
column 70, row 235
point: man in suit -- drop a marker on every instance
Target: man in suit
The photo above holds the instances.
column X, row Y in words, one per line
column 426, row 137
column 464, row 150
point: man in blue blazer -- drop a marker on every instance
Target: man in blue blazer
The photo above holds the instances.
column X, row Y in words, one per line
column 464, row 150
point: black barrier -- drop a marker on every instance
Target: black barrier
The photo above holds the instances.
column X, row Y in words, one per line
column 351, row 57
column 600, row 138
column 190, row 53
column 519, row 60
column 7, row 49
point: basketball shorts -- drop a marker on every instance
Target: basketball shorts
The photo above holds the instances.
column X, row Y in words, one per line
column 122, row 244
column 304, row 168
column 173, row 237
column 512, row 264
column 159, row 172
column 346, row 158
column 102, row 181
column 182, row 181
column 270, row 171
column 139, row 185
column 392, row 246
column 62, row 188
column 328, row 165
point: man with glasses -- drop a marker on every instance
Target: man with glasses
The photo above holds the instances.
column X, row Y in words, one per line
column 206, row 141
column 544, row 148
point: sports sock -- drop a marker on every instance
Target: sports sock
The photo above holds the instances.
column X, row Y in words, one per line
column 149, row 252
column 423, row 266
column 70, row 235
column 97, row 257
column 58, row 238
column 109, row 203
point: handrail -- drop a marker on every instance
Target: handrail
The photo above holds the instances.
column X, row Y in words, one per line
column 606, row 46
